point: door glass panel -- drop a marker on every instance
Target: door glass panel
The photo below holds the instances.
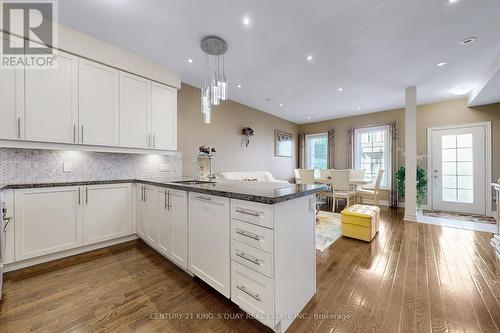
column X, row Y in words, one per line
column 457, row 168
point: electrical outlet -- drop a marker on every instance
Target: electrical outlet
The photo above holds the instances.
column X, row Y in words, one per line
column 67, row 167
column 164, row 167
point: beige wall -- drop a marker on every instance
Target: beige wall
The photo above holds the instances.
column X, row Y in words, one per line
column 224, row 133
column 445, row 113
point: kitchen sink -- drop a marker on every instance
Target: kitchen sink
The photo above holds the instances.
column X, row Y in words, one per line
column 193, row 182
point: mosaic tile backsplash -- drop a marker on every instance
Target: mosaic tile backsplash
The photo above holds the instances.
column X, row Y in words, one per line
column 44, row 166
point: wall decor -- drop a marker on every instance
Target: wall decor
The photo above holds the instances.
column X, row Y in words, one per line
column 247, row 132
column 283, row 144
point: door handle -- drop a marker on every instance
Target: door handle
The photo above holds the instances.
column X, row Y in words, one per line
column 242, row 211
column 248, row 257
column 82, row 133
column 204, row 198
column 79, row 197
column 18, row 127
column 247, row 234
column 154, row 140
column 249, row 293
column 74, row 133
column 86, row 195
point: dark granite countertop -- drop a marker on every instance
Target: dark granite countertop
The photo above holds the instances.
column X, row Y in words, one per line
column 263, row 192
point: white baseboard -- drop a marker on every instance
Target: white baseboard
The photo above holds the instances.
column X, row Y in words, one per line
column 50, row 257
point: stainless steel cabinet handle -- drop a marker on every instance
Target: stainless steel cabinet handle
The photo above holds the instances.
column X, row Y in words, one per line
column 154, row 140
column 169, row 205
column 149, row 140
column 7, row 221
column 82, row 133
column 86, row 195
column 204, row 198
column 145, row 198
column 248, row 257
column 166, row 204
column 242, row 211
column 74, row 133
column 79, row 197
column 18, row 127
column 247, row 234
column 249, row 293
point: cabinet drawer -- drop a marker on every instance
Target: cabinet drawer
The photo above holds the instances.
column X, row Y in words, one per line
column 253, row 235
column 253, row 293
column 253, row 258
column 252, row 212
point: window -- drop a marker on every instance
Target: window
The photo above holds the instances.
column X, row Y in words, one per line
column 372, row 153
column 317, row 152
column 457, row 165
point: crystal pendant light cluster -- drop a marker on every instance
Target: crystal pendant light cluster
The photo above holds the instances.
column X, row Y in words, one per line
column 215, row 89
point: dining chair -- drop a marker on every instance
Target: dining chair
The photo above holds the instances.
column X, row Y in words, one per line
column 341, row 187
column 371, row 193
column 358, row 174
column 297, row 175
column 324, row 173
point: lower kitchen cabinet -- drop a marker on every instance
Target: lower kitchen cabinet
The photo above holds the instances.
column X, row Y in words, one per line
column 107, row 212
column 209, row 234
column 162, row 221
column 47, row 220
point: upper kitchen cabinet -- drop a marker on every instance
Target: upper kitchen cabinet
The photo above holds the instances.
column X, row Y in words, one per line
column 51, row 102
column 11, row 100
column 99, row 109
column 135, row 111
column 164, row 117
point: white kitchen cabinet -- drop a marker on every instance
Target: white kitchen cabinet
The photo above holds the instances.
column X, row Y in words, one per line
column 172, row 226
column 98, row 98
column 135, row 111
column 140, row 210
column 209, row 245
column 163, row 117
column 51, row 102
column 107, row 212
column 153, row 199
column 47, row 220
column 11, row 100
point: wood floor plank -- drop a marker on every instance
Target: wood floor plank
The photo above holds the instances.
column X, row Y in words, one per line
column 410, row 278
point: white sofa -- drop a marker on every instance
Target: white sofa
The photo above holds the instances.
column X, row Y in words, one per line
column 259, row 176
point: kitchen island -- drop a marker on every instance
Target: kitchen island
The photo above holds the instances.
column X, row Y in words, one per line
column 253, row 242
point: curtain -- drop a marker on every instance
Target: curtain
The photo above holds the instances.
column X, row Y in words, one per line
column 350, row 149
column 394, row 136
column 302, row 151
column 331, row 149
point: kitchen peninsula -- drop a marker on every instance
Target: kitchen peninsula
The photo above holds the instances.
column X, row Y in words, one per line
column 254, row 242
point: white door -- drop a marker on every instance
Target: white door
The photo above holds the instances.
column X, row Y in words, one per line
column 140, row 212
column 209, row 248
column 172, row 227
column 51, row 97
column 164, row 117
column 153, row 199
column 48, row 220
column 99, row 100
column 459, row 169
column 11, row 101
column 135, row 111
column 107, row 213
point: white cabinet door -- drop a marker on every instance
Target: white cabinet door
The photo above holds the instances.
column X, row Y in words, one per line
column 209, row 240
column 48, row 220
column 107, row 213
column 11, row 100
column 99, row 113
column 135, row 111
column 140, row 212
column 172, row 227
column 164, row 117
column 51, row 98
column 153, row 207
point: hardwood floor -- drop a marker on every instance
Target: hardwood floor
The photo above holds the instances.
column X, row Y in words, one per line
column 411, row 278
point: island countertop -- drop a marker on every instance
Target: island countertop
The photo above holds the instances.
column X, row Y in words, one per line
column 263, row 192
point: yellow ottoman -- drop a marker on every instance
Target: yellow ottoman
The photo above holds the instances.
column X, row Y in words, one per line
column 360, row 222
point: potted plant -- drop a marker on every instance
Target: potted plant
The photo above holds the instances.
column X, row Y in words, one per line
column 421, row 184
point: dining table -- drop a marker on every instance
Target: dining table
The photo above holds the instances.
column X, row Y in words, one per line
column 357, row 182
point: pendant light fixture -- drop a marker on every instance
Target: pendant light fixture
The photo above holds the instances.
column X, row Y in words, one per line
column 215, row 88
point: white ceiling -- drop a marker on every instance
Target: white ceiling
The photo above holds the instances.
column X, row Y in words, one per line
column 371, row 49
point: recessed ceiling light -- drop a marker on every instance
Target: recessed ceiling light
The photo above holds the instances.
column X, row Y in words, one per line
column 468, row 41
column 281, row 105
column 441, row 64
column 239, row 86
column 246, row 20
column 340, row 89
column 309, row 58
column 190, row 60
column 359, row 108
column 453, row 1
column 460, row 91
column 268, row 99
column 309, row 118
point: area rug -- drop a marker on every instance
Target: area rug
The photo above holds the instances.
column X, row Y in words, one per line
column 460, row 216
column 327, row 229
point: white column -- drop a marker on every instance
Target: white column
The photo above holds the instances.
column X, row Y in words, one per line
column 411, row 155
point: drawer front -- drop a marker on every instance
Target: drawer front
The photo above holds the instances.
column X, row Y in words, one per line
column 253, row 235
column 252, row 212
column 253, row 293
column 252, row 258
